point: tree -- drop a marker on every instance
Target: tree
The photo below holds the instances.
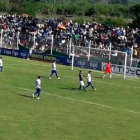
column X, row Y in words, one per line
column 135, row 14
column 15, row 5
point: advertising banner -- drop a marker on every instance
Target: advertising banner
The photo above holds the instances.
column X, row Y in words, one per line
column 131, row 71
column 61, row 59
column 15, row 53
column 87, row 64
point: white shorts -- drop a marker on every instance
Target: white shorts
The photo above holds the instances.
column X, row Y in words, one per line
column 81, row 83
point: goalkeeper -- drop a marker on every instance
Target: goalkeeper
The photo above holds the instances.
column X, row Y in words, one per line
column 108, row 69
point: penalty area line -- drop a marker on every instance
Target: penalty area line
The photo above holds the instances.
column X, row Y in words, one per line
column 75, row 69
column 47, row 70
column 76, row 100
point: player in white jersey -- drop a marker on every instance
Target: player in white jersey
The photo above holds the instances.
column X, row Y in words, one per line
column 1, row 64
column 89, row 81
column 38, row 87
column 29, row 53
column 54, row 70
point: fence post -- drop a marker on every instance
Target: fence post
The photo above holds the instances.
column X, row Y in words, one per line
column 89, row 50
column 131, row 59
column 70, row 47
column 110, row 45
column 34, row 42
column 52, row 44
column 1, row 37
column 125, row 64
column 73, row 54
column 18, row 39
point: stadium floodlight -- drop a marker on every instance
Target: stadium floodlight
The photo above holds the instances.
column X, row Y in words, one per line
column 117, row 58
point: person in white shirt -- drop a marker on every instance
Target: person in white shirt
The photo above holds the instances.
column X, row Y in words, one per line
column 38, row 87
column 29, row 53
column 54, row 71
column 89, row 81
column 1, row 64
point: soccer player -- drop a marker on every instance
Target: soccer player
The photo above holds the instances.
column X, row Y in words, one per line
column 82, row 85
column 38, row 88
column 108, row 69
column 29, row 53
column 89, row 81
column 54, row 71
column 1, row 64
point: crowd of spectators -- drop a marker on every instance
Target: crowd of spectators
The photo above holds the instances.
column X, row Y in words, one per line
column 37, row 34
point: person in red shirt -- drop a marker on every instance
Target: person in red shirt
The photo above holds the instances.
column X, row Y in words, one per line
column 108, row 69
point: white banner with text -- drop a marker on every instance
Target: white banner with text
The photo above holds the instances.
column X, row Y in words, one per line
column 119, row 69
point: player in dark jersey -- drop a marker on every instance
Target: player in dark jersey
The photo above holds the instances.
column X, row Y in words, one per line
column 82, row 85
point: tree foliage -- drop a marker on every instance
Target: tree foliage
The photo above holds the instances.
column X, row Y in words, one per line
column 107, row 9
column 135, row 13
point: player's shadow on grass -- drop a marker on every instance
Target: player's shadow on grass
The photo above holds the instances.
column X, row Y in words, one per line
column 26, row 96
column 70, row 88
column 98, row 77
column 45, row 77
column 107, row 77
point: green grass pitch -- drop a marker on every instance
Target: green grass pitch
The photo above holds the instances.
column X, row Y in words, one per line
column 63, row 112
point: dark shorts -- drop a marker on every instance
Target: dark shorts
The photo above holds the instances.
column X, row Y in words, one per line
column 38, row 90
column 89, row 83
column 54, row 71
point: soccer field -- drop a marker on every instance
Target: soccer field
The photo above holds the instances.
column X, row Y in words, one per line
column 63, row 112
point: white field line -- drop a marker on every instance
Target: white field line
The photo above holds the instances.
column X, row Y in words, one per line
column 43, row 64
column 103, row 81
column 76, row 100
column 121, row 85
column 46, row 64
column 101, row 72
